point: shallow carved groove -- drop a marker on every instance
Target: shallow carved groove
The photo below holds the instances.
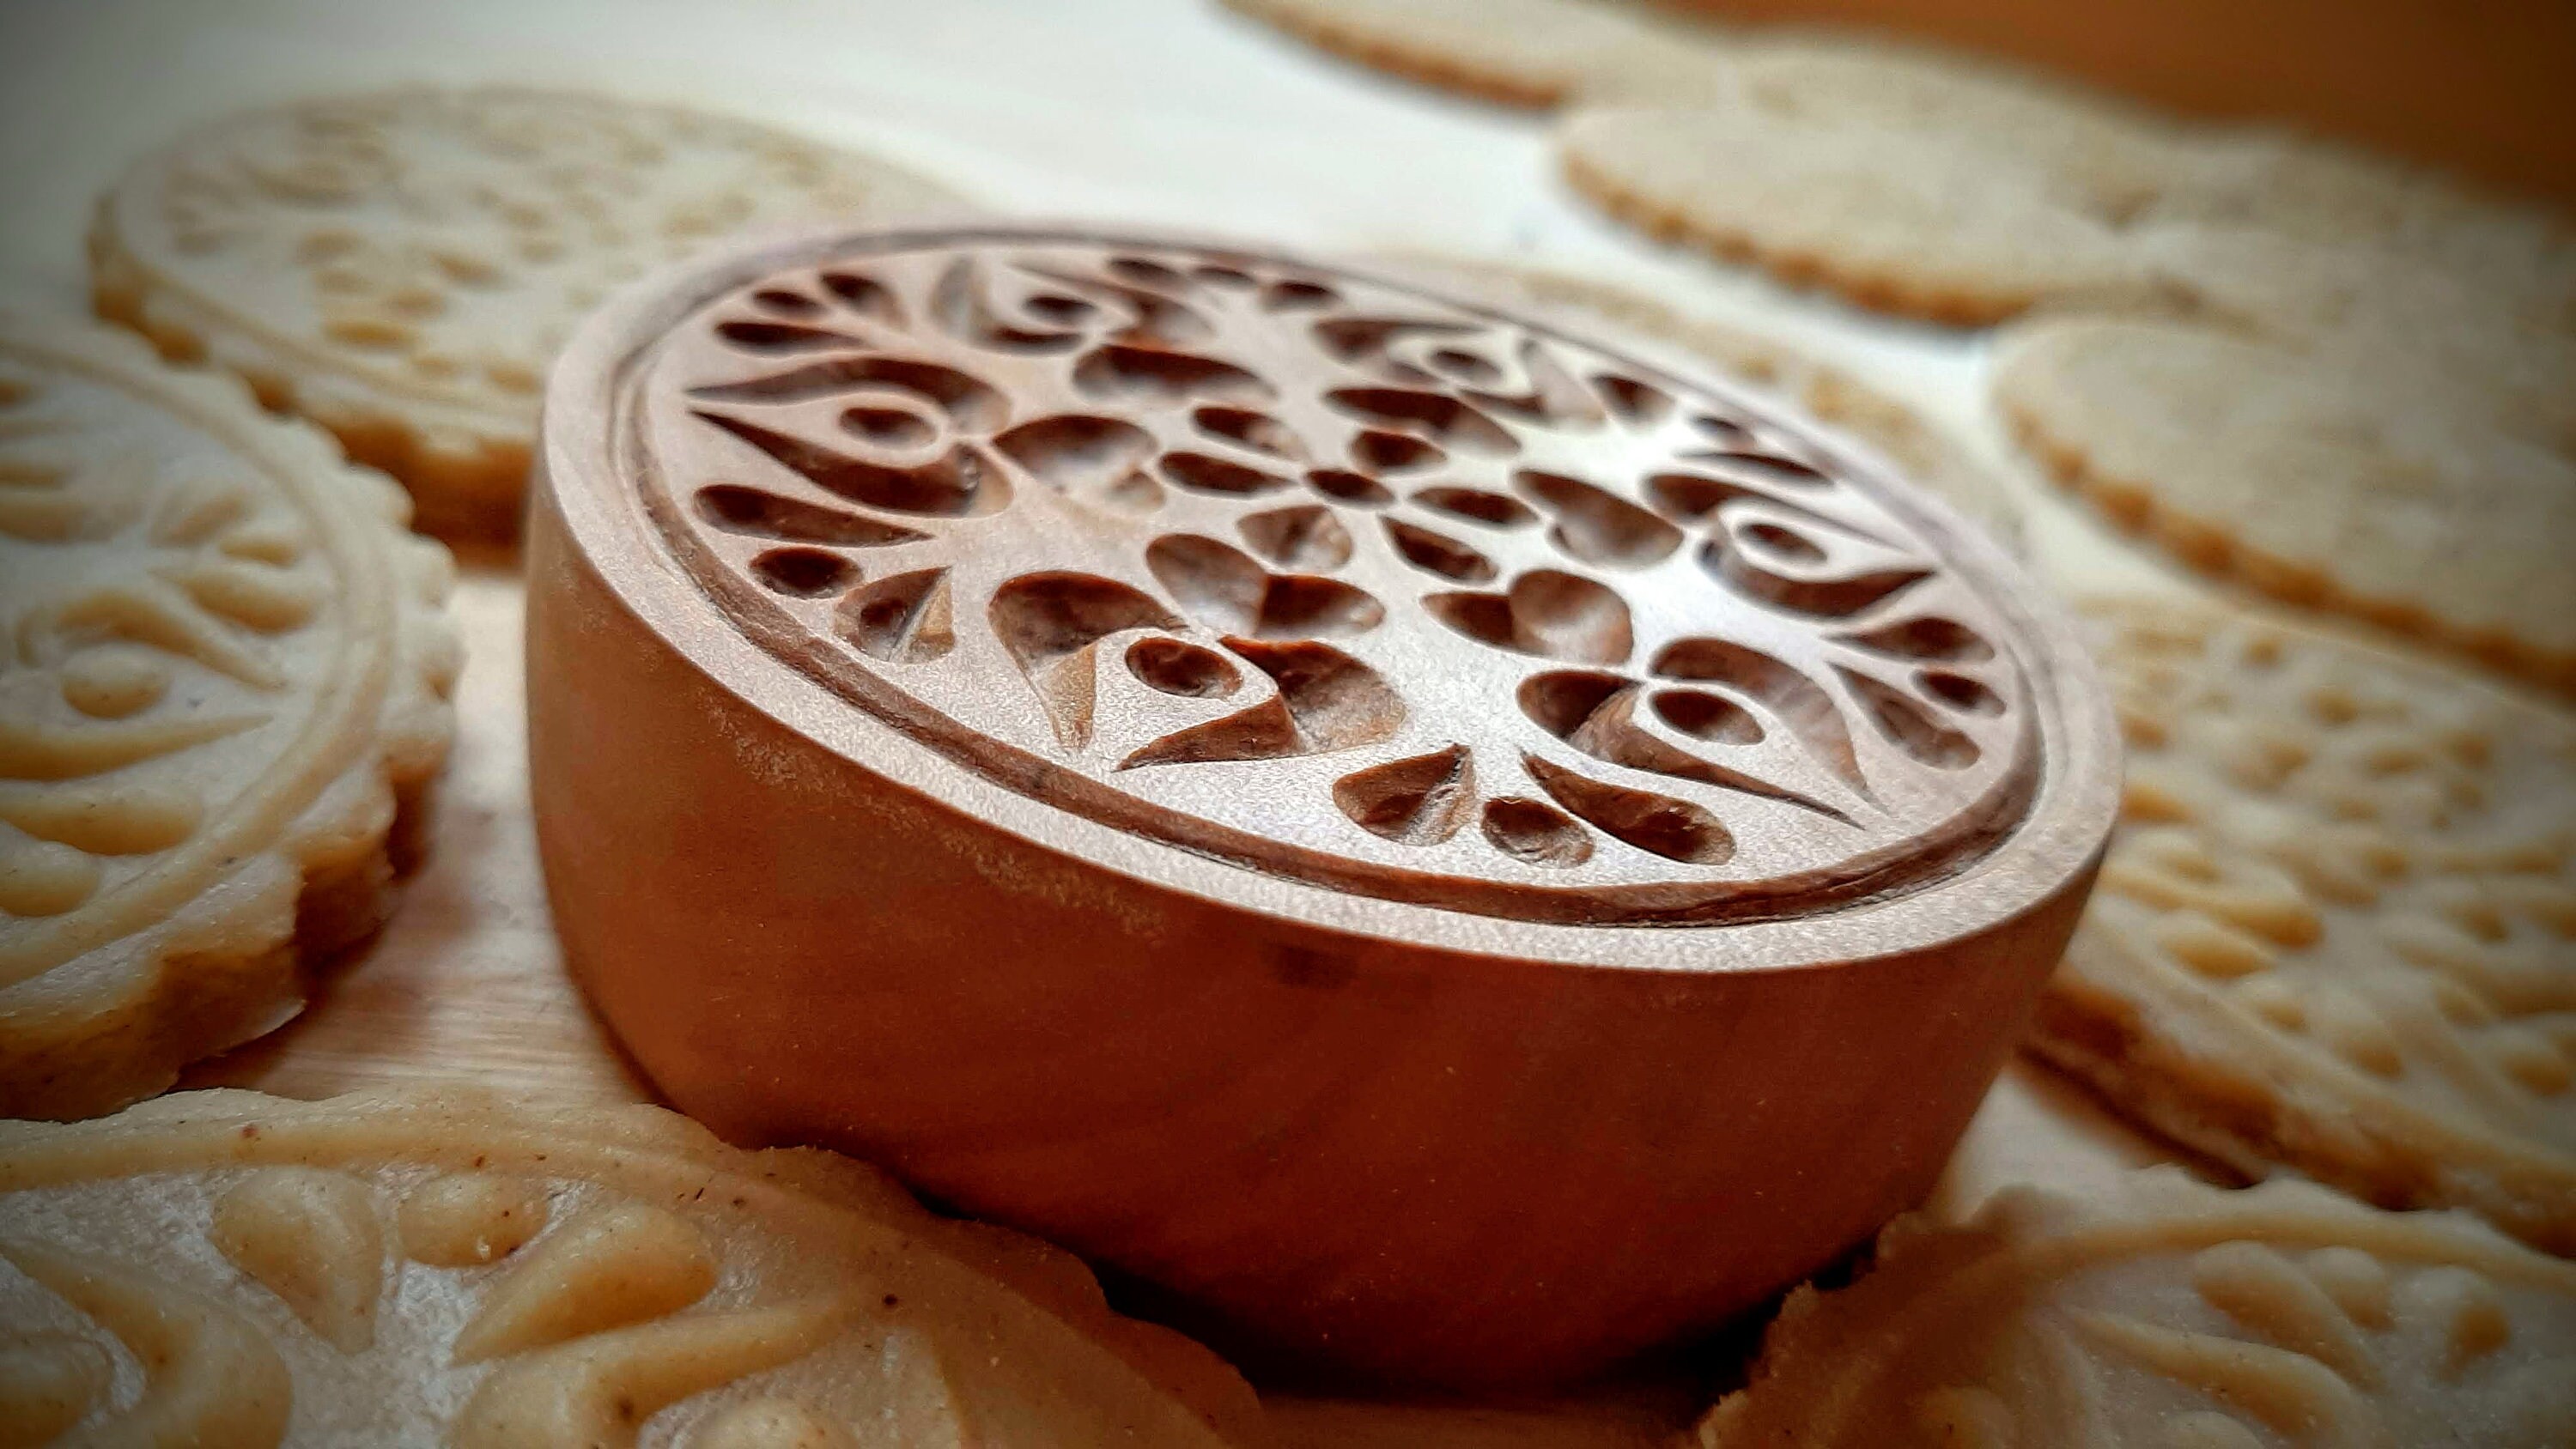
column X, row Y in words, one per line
column 1438, row 553
column 1302, row 536
column 1905, row 725
column 965, row 402
column 864, row 295
column 1418, row 801
column 1443, row 419
column 782, row 337
column 804, row 573
column 1657, row 824
column 1501, row 510
column 1597, row 526
column 762, row 514
column 1596, row 713
column 1178, row 667
column 1081, row 454
column 904, row 618
column 1793, row 698
column 1929, row 638
column 1634, row 401
column 1049, row 623
column 888, row 427
column 1829, row 598
column 1535, row 833
column 955, row 485
column 1232, row 591
column 1958, row 691
column 1201, row 473
column 1706, row 716
column 1767, row 467
column 1691, row 498
column 1547, row 613
column 1257, row 431
column 1380, row 451
column 785, row 302
column 1143, row 377
column 1326, row 701
column 1345, row 486
column 1298, row 296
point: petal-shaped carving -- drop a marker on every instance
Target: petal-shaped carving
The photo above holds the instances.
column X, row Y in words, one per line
column 1327, row 701
column 1420, row 801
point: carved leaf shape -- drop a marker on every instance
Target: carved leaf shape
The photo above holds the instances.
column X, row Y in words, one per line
column 612, row 1265
column 312, row 1238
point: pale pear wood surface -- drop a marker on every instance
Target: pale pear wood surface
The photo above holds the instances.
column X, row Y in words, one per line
column 1215, row 124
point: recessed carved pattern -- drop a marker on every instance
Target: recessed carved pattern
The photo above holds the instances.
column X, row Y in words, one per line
column 1102, row 523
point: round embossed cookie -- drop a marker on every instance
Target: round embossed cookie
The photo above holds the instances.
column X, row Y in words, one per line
column 231, row 1269
column 2338, row 929
column 1517, row 52
column 2311, row 477
column 222, row 702
column 1168, row 743
column 401, row 267
column 2165, row 1312
column 1905, row 182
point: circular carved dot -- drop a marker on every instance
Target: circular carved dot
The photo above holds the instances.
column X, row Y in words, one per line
column 1174, row 666
column 806, row 573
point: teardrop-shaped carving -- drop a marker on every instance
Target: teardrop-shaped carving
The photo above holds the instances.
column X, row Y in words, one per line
column 313, row 1239
column 611, row 1266
column 1419, row 801
column 465, row 1219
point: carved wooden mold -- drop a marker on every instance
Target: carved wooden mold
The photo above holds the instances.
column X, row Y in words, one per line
column 1106, row 724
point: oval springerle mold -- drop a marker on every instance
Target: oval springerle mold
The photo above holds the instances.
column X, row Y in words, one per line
column 1339, row 580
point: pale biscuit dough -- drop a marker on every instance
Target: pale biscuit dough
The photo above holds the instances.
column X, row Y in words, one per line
column 2166, row 1314
column 2310, row 477
column 1920, row 220
column 2337, row 931
column 1926, row 451
column 234, row 1271
column 2453, row 336
column 224, row 698
column 1515, row 52
column 401, row 267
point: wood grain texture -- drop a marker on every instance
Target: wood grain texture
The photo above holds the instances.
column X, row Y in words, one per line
column 1494, row 1144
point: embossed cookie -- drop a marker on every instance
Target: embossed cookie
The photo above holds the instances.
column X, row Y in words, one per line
column 223, row 699
column 1928, row 452
column 2318, row 483
column 2168, row 1313
column 400, row 267
column 237, row 1271
column 1901, row 219
column 1165, row 743
column 1517, row 52
column 2470, row 340
column 2338, row 929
